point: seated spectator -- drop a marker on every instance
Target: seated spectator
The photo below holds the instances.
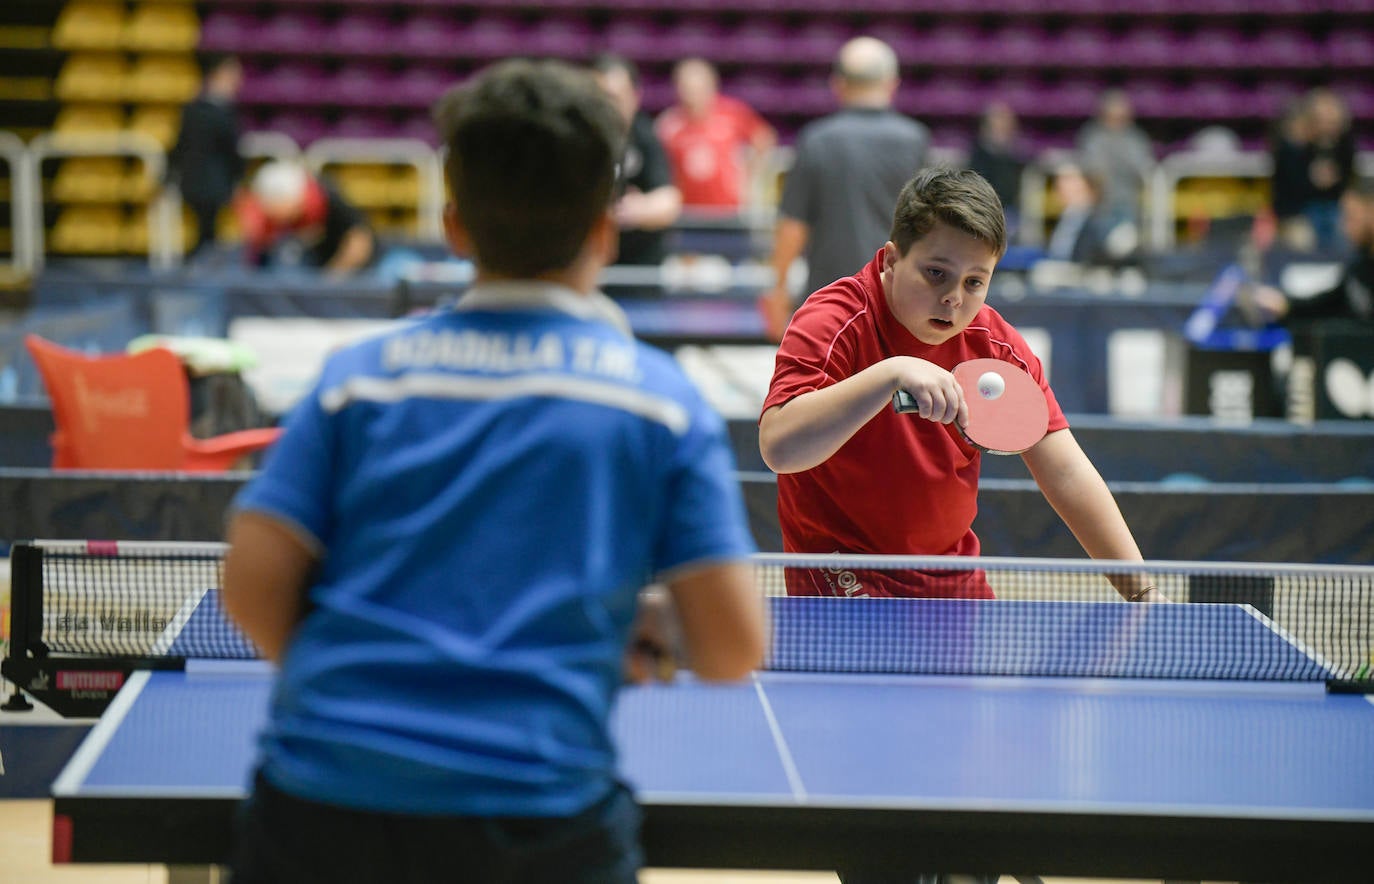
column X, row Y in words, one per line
column 1087, row 231
column 650, row 203
column 1330, row 160
column 291, row 216
column 715, row 144
column 1120, row 151
column 999, row 157
column 1352, row 298
column 1290, row 185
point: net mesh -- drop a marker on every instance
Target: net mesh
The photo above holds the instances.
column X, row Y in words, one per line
column 986, row 616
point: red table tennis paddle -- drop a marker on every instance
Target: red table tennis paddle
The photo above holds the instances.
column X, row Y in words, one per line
column 1007, row 410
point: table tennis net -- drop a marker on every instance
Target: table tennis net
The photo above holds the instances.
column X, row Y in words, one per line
column 1041, row 617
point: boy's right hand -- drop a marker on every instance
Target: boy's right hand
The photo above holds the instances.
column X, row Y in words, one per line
column 937, row 394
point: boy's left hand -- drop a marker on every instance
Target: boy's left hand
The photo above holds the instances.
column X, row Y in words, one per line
column 655, row 647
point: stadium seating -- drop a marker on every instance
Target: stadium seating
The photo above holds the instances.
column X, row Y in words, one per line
column 97, row 24
column 161, row 27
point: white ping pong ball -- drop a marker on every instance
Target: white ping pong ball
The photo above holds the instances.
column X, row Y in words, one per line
column 991, row 385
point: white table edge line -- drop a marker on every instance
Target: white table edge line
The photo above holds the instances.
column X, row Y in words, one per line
column 789, row 765
column 74, row 774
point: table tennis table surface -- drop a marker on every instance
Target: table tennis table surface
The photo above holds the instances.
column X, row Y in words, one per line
column 1026, row 774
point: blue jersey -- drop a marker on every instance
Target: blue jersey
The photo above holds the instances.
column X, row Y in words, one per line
column 487, row 488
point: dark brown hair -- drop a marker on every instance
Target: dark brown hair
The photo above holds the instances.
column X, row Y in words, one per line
column 961, row 198
column 533, row 149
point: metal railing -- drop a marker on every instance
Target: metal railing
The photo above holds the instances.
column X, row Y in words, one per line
column 391, row 151
column 161, row 249
column 16, row 154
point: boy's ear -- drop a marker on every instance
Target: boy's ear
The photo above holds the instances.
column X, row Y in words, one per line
column 456, row 233
column 604, row 237
column 890, row 255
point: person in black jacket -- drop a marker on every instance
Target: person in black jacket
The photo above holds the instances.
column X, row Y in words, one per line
column 1352, row 298
column 205, row 163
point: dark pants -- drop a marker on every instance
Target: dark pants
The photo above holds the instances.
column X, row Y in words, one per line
column 287, row 840
column 206, row 212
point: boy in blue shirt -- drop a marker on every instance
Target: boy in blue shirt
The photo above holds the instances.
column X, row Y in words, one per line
column 444, row 551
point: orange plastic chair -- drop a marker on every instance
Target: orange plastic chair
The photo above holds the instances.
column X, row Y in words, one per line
column 130, row 412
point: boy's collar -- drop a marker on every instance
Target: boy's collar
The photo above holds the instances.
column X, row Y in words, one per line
column 524, row 294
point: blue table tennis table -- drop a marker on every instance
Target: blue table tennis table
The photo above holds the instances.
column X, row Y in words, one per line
column 1146, row 776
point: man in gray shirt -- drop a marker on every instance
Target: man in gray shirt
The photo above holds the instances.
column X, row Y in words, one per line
column 838, row 198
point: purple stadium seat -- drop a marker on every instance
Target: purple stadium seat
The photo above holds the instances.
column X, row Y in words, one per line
column 1213, row 47
column 560, row 36
column 430, row 35
column 228, row 30
column 292, row 83
column 1359, row 97
column 1080, row 46
column 693, row 38
column 953, row 45
column 367, row 33
column 946, row 96
column 756, row 41
column 817, row 41
column 1350, row 49
column 419, row 86
column 1072, row 99
column 1147, row 46
column 290, row 32
column 1285, row 48
column 1020, row 46
column 1151, row 98
column 1272, row 97
column 363, row 124
column 419, row 126
column 764, row 91
column 302, row 127
column 361, row 85
column 811, row 95
column 1211, row 100
column 1028, row 98
column 636, row 38
column 491, row 37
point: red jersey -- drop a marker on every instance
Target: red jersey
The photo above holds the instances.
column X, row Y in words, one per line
column 901, row 485
column 705, row 152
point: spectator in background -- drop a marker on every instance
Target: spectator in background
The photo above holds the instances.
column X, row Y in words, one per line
column 1113, row 147
column 1290, row 185
column 838, row 198
column 650, row 203
column 716, row 144
column 291, row 216
column 1330, row 164
column 1352, row 298
column 999, row 157
column 205, row 161
column 1084, row 233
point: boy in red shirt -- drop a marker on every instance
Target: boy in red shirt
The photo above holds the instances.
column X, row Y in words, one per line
column 856, row 477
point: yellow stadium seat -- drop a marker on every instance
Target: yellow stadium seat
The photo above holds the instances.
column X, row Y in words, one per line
column 89, row 180
column 136, row 236
column 405, row 188
column 367, row 186
column 162, row 27
column 137, row 185
column 160, row 121
column 165, row 78
column 92, row 77
column 88, row 230
column 84, row 118
column 89, row 24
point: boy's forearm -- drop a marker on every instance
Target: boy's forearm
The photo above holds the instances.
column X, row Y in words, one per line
column 806, row 431
column 1083, row 501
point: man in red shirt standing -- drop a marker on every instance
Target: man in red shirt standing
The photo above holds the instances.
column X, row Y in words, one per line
column 856, row 477
column 715, row 143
